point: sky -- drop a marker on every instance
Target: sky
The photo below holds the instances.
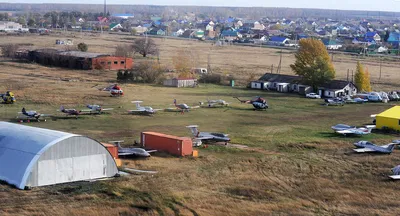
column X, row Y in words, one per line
column 374, row 5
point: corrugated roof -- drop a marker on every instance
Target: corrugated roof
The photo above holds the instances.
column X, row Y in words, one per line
column 280, row 78
column 393, row 112
column 80, row 54
column 21, row 146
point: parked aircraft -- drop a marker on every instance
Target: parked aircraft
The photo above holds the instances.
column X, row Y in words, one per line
column 70, row 112
column 143, row 110
column 365, row 146
column 95, row 109
column 348, row 130
column 258, row 103
column 208, row 136
column 7, row 98
column 355, row 100
column 30, row 115
column 334, row 102
column 115, row 90
column 181, row 108
column 396, row 173
column 140, row 152
column 214, row 103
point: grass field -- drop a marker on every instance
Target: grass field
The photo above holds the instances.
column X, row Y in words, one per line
column 294, row 164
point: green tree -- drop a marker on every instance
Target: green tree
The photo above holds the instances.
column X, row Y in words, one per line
column 83, row 47
column 21, row 20
column 359, row 77
column 313, row 63
column 31, row 22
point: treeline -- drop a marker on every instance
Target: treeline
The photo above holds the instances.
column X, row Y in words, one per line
column 173, row 11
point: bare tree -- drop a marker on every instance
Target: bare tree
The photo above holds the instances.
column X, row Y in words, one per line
column 145, row 46
column 123, row 51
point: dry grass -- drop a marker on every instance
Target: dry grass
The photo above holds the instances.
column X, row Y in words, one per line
column 294, row 166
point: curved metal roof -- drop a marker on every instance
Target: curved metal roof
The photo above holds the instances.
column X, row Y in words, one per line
column 20, row 148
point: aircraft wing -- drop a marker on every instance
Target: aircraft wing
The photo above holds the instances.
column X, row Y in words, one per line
column 45, row 115
column 204, row 138
column 107, row 109
column 150, row 151
column 194, row 107
column 362, row 150
column 137, row 111
column 87, row 110
column 345, row 132
column 125, row 153
column 395, row 177
column 158, row 109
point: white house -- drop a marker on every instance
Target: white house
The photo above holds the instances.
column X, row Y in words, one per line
column 7, row 26
column 258, row 26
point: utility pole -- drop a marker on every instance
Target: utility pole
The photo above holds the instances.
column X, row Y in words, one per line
column 278, row 69
column 380, row 67
column 352, row 76
column 348, row 71
column 272, row 68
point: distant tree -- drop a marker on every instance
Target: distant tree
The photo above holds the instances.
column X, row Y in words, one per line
column 123, row 51
column 182, row 64
column 367, row 81
column 148, row 71
column 21, row 20
column 9, row 50
column 313, row 63
column 359, row 77
column 145, row 46
column 83, row 47
column 133, row 32
column 31, row 22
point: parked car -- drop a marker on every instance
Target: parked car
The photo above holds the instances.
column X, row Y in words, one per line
column 313, row 95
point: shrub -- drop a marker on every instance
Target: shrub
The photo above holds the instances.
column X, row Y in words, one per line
column 9, row 50
column 211, row 78
column 83, row 47
column 146, row 72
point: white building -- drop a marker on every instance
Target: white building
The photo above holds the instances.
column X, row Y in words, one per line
column 31, row 157
column 7, row 26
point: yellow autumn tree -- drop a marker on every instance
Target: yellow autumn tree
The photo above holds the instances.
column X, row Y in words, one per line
column 313, row 63
column 359, row 77
column 182, row 64
column 367, row 81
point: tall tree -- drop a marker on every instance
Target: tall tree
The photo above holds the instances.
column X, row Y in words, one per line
column 359, row 77
column 145, row 46
column 313, row 63
column 367, row 81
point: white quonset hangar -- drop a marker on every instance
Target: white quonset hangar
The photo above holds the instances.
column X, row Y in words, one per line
column 31, row 157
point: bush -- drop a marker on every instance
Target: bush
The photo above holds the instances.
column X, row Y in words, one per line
column 83, row 47
column 211, row 78
column 9, row 50
column 146, row 72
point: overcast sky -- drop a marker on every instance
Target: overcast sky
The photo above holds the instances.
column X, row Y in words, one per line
column 384, row 5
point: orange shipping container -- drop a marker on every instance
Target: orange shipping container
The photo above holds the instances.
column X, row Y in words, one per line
column 179, row 146
column 113, row 149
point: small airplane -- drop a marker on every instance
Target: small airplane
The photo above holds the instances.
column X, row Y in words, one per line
column 215, row 103
column 334, row 102
column 31, row 115
column 365, row 146
column 181, row 108
column 208, row 136
column 96, row 109
column 258, row 103
column 70, row 112
column 131, row 151
column 347, row 130
column 396, row 173
column 8, row 98
column 142, row 110
column 115, row 90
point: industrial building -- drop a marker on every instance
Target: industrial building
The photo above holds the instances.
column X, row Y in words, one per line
column 389, row 119
column 180, row 82
column 33, row 157
column 78, row 60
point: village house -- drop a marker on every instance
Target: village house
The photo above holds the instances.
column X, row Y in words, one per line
column 290, row 83
column 6, row 26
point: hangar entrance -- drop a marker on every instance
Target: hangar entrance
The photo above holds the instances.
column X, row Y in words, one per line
column 64, row 170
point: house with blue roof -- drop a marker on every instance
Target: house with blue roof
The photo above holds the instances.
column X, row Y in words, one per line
column 394, row 38
column 364, row 41
column 278, row 41
column 331, row 44
column 230, row 34
column 373, row 35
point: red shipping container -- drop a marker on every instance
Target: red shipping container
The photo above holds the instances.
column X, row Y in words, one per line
column 179, row 146
column 113, row 149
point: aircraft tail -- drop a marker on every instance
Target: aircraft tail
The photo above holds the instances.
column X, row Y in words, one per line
column 62, row 109
column 194, row 130
column 23, row 111
column 175, row 102
column 391, row 147
column 370, row 127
